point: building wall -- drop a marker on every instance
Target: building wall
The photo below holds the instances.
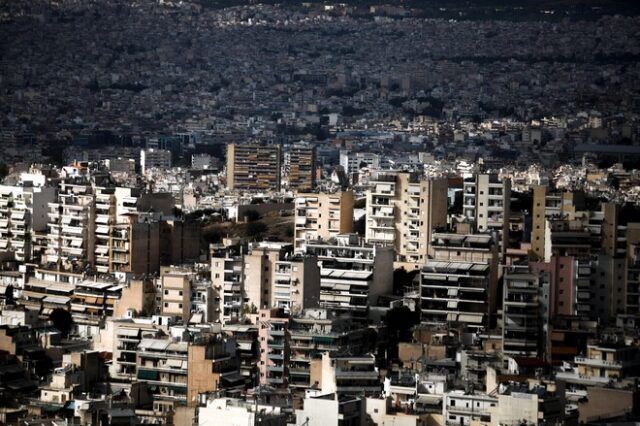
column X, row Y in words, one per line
column 175, row 295
column 200, row 375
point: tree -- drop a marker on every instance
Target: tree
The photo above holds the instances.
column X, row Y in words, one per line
column 251, row 215
column 256, row 229
column 399, row 322
column 8, row 295
column 402, row 279
column 62, row 320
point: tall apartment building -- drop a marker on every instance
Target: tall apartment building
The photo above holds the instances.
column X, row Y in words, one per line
column 352, row 275
column 302, row 167
column 71, row 238
column 548, row 204
column 23, row 211
column 402, row 212
column 487, row 201
column 134, row 246
column 525, row 312
column 186, row 293
column 458, row 292
column 273, row 335
column 154, row 158
column 321, row 217
column 253, row 167
column 268, row 276
column 633, row 269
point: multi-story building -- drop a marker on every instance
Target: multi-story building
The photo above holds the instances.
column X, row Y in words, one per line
column 93, row 301
column 633, row 269
column 253, row 167
column 23, row 212
column 134, row 246
column 315, row 331
column 154, row 158
column 332, row 410
column 352, row 275
column 402, row 212
column 273, row 335
column 528, row 403
column 180, row 370
column 461, row 292
column 186, row 293
column 603, row 363
column 525, row 313
column 464, row 408
column 269, row 275
column 321, row 217
column 487, row 202
column 301, row 166
column 547, row 204
column 347, row 374
column 71, row 239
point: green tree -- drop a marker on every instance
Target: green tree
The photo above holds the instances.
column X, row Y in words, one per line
column 256, row 229
column 62, row 320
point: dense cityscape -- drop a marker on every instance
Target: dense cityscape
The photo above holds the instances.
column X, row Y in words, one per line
column 311, row 213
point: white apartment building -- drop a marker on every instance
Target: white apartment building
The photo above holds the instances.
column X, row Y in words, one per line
column 352, row 274
column 487, row 202
column 23, row 210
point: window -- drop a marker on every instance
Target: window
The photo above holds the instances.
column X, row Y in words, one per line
column 217, row 275
column 180, row 293
column 179, row 305
column 166, row 292
column 166, row 305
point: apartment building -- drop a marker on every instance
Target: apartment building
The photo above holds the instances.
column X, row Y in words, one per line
column 268, row 275
column 487, row 202
column 301, row 167
column 23, row 211
column 525, row 313
column 529, row 403
column 273, row 336
column 154, row 158
column 352, row 274
column 71, row 226
column 603, row 363
column 92, row 302
column 253, row 167
column 126, row 335
column 315, row 331
column 134, row 246
column 346, row 374
column 633, row 269
column 332, row 410
column 322, row 216
column 548, row 204
column 402, row 212
column 464, row 408
column 186, row 293
column 458, row 292
column 180, row 370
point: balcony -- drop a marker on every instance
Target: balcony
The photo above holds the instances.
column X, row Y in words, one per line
column 598, row 362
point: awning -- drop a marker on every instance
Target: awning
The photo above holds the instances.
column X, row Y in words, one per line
column 470, row 318
column 429, row 399
column 128, row 332
column 147, row 374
